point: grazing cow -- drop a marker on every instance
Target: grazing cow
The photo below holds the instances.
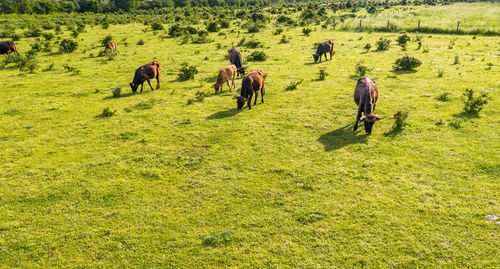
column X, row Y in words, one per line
column 145, row 73
column 253, row 82
column 7, row 47
column 227, row 73
column 323, row 48
column 365, row 96
column 235, row 58
column 111, row 45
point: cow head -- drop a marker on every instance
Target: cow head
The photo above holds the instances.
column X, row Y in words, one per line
column 316, row 57
column 369, row 121
column 216, row 87
column 242, row 70
column 240, row 101
column 133, row 86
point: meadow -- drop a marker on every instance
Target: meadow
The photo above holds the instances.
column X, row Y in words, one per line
column 178, row 178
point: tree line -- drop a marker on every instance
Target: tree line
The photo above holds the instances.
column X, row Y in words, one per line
column 99, row 6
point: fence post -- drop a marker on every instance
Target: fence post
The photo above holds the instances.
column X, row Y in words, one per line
column 359, row 23
column 333, row 24
column 458, row 25
column 387, row 24
column 418, row 25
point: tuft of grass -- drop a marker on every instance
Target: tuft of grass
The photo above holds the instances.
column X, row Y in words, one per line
column 383, row 44
column 474, row 104
column 217, row 239
column 322, row 74
column 361, row 70
column 107, row 112
column 457, row 60
column 293, row 85
column 116, row 91
column 444, row 97
column 440, row 73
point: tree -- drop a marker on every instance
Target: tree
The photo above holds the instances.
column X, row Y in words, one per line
column 126, row 5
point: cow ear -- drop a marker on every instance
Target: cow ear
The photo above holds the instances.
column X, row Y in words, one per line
column 377, row 117
column 362, row 118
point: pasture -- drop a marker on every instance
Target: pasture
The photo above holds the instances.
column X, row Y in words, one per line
column 178, row 178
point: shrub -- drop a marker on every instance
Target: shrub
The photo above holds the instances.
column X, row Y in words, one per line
column 175, row 30
column 187, row 72
column 155, row 26
column 11, row 58
column 28, row 64
column 383, row 44
column 107, row 112
column 48, row 36
column 225, row 24
column 367, row 47
column 33, row 32
column 106, row 39
column 457, row 60
column 406, row 63
column 456, row 124
column 293, row 85
column 360, row 70
column 117, row 91
column 284, row 40
column 213, row 27
column 253, row 44
column 15, row 37
column 200, row 96
column 473, row 105
column 258, row 56
column 440, row 73
column 71, row 69
column 322, row 74
column 255, row 27
column 67, row 46
column 444, row 97
column 306, row 31
column 403, row 39
column 50, row 67
column 140, row 42
column 399, row 121
column 278, row 31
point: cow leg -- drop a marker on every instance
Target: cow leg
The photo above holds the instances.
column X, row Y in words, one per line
column 256, row 95
column 158, row 80
column 149, row 82
column 142, row 85
column 262, row 92
column 234, row 85
column 229, row 86
column 326, row 57
column 250, row 100
column 331, row 54
column 358, row 116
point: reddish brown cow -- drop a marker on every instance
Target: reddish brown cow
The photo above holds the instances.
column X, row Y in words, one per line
column 7, row 47
column 145, row 73
column 366, row 96
column 227, row 73
column 253, row 82
column 111, row 45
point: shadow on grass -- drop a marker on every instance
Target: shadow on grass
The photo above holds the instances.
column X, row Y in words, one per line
column 341, row 137
column 128, row 94
column 223, row 114
column 400, row 72
column 393, row 132
column 466, row 115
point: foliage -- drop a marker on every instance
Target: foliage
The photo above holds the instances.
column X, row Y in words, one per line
column 444, row 97
column 399, row 123
column 257, row 56
column 28, row 64
column 213, row 27
column 106, row 39
column 293, row 85
column 68, row 46
column 156, row 26
column 472, row 104
column 284, row 39
column 406, row 63
column 360, row 70
column 306, row 31
column 175, row 30
column 383, row 44
column 140, row 42
column 107, row 112
column 187, row 72
column 252, row 44
column 116, row 91
column 367, row 47
column 216, row 239
column 322, row 74
column 403, row 39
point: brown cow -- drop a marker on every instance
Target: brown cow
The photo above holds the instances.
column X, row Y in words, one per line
column 111, row 45
column 236, row 59
column 145, row 73
column 253, row 82
column 227, row 73
column 323, row 48
column 7, row 47
column 366, row 96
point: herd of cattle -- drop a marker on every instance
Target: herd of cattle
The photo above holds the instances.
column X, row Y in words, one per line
column 365, row 94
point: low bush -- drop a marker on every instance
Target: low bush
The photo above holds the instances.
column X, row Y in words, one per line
column 278, row 31
column 293, row 85
column 360, row 70
column 116, row 91
column 213, row 27
column 253, row 44
column 67, row 46
column 140, row 42
column 28, row 64
column 107, row 112
column 403, row 39
column 383, row 44
column 187, row 72
column 322, row 74
column 306, row 31
column 367, row 47
column 284, row 40
column 156, row 26
column 175, row 30
column 257, row 56
column 444, row 97
column 472, row 104
column 406, row 63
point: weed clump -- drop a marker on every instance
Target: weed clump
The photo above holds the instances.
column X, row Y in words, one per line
column 403, row 39
column 216, row 239
column 284, row 39
column 28, row 64
column 257, row 56
column 107, row 112
column 140, row 42
column 444, row 97
column 473, row 105
column 399, row 123
column 383, row 44
column 67, row 46
column 306, row 31
column 293, row 85
column 155, row 26
column 213, row 27
column 322, row 74
column 71, row 69
column 440, row 73
column 360, row 70
column 367, row 47
column 116, row 91
column 406, row 63
column 457, row 60
column 187, row 72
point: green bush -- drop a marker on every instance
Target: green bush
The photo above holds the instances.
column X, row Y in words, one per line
column 473, row 105
column 187, row 72
column 107, row 112
column 175, row 30
column 367, row 47
column 360, row 70
column 278, row 31
column 213, row 27
column 28, row 64
column 383, row 44
column 406, row 63
column 117, row 91
column 293, row 85
column 67, row 46
column 322, row 74
column 306, row 31
column 257, row 56
column 253, row 44
column 255, row 27
column 155, row 26
column 403, row 39
column 284, row 40
column 140, row 42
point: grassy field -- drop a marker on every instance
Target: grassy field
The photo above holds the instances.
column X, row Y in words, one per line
column 164, row 183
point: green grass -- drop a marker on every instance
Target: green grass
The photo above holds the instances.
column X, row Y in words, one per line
column 285, row 184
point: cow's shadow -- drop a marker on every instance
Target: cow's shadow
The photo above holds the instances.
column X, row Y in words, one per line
column 223, row 114
column 342, row 137
column 128, row 94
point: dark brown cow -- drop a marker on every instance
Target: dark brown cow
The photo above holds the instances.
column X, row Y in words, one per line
column 253, row 82
column 7, row 47
column 366, row 96
column 111, row 45
column 236, row 59
column 324, row 48
column 145, row 73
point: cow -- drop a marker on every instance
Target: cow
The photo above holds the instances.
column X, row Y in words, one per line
column 253, row 82
column 236, row 59
column 145, row 73
column 111, row 45
column 366, row 96
column 7, row 47
column 323, row 48
column 225, row 75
